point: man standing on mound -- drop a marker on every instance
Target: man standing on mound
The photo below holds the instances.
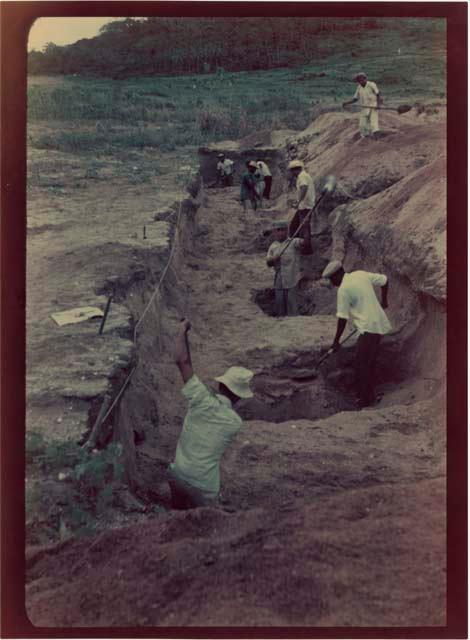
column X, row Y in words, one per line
column 357, row 299
column 367, row 93
column 209, row 427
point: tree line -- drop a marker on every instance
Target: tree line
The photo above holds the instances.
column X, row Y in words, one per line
column 149, row 46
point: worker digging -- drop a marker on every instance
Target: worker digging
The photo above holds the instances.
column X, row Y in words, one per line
column 224, row 171
column 368, row 96
column 356, row 299
column 209, row 427
column 267, row 177
column 248, row 188
column 304, row 204
column 284, row 256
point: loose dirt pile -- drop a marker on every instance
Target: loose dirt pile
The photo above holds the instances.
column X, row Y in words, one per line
column 332, row 516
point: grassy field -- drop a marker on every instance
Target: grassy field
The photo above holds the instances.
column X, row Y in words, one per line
column 165, row 112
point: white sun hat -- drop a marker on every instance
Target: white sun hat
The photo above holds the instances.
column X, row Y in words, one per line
column 296, row 164
column 361, row 74
column 237, row 379
column 331, row 268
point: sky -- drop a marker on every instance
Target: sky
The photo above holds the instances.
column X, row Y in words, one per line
column 63, row 30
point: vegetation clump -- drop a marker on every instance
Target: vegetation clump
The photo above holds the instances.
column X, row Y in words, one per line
column 86, row 484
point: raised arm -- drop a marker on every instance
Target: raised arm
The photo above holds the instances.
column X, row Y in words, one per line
column 182, row 353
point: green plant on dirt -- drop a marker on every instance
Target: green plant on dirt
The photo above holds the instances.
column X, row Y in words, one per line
column 89, row 480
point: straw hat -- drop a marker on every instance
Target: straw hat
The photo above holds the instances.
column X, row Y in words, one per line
column 237, row 379
column 296, row 164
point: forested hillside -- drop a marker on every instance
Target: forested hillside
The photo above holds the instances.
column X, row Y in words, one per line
column 149, row 46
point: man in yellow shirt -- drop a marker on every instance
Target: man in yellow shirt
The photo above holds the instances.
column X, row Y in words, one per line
column 356, row 300
column 209, row 427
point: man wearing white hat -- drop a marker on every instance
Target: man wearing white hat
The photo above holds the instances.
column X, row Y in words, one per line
column 209, row 427
column 357, row 300
column 367, row 93
column 225, row 170
column 287, row 269
column 305, row 202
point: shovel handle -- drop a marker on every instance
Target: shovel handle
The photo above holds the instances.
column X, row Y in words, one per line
column 330, row 351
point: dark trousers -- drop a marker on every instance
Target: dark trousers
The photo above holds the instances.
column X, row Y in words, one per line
column 267, row 186
column 185, row 496
column 286, row 302
column 228, row 180
column 367, row 349
column 299, row 217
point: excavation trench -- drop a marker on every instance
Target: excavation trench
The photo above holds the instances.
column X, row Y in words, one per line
column 287, row 388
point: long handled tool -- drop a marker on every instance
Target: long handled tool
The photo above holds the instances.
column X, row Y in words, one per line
column 402, row 108
column 311, row 374
column 328, row 188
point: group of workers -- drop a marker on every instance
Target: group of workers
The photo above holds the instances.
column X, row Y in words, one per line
column 211, row 422
column 255, row 181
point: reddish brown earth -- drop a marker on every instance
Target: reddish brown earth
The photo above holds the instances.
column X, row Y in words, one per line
column 333, row 517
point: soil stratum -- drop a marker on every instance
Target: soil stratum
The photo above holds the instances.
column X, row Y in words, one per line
column 330, row 516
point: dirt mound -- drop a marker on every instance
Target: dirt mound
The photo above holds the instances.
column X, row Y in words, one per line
column 294, row 566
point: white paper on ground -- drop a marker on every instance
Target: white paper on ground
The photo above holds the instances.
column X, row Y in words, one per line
column 80, row 314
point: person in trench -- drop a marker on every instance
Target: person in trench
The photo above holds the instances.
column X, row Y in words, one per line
column 304, row 204
column 224, row 170
column 208, row 428
column 248, row 186
column 287, row 269
column 356, row 299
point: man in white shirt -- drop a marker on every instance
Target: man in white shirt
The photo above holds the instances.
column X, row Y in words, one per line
column 305, row 203
column 367, row 93
column 287, row 269
column 209, row 427
column 357, row 300
column 267, row 177
column 225, row 170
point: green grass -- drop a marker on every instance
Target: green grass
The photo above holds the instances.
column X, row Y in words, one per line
column 169, row 111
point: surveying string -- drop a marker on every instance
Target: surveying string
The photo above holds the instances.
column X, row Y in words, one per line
column 167, row 266
column 165, row 270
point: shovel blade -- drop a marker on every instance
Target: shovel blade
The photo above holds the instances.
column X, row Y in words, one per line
column 404, row 108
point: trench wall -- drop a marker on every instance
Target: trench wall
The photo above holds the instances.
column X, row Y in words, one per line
column 138, row 414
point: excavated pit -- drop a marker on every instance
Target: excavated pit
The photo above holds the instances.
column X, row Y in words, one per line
column 296, row 394
column 313, row 298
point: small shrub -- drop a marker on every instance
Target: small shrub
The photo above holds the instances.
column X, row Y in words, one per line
column 90, row 479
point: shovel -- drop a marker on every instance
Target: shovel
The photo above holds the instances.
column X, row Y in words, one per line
column 310, row 374
column 402, row 108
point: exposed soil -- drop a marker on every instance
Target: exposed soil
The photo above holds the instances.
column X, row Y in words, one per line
column 331, row 516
